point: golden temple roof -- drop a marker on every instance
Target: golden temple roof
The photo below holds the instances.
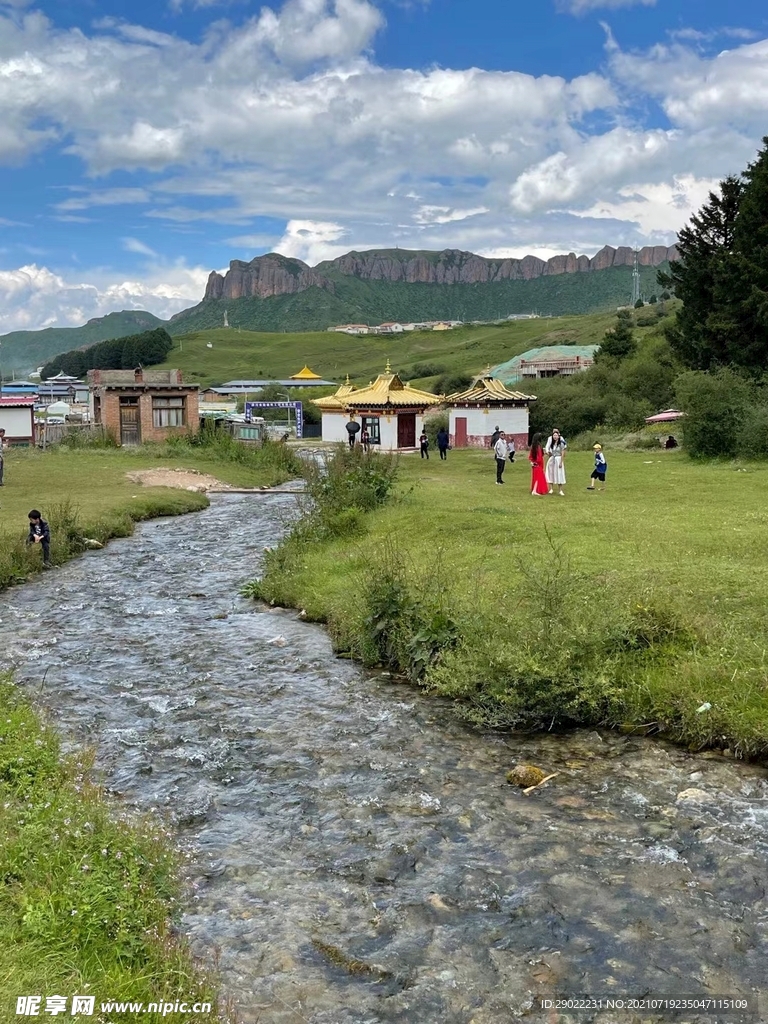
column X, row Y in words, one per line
column 335, row 402
column 488, row 389
column 389, row 390
column 305, row 374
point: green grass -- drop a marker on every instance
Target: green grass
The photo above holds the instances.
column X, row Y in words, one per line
column 88, row 898
column 250, row 355
column 86, row 493
column 631, row 608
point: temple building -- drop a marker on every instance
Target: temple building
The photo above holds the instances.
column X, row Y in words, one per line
column 475, row 413
column 391, row 411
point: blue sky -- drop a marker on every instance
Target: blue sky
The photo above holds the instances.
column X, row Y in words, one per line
column 144, row 144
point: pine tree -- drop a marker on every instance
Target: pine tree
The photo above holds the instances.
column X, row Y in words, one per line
column 705, row 247
column 619, row 341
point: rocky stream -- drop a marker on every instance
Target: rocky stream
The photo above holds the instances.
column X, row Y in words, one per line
column 357, row 856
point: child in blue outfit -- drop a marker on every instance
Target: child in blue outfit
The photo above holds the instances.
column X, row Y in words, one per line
column 601, row 468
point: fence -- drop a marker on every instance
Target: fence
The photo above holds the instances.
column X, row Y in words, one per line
column 51, row 433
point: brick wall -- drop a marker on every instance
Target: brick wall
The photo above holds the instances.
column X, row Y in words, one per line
column 110, row 414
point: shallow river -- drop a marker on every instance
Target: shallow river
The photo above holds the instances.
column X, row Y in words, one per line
column 329, row 811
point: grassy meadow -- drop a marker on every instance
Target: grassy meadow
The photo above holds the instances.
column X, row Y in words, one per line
column 88, row 899
column 250, row 355
column 633, row 608
column 85, row 492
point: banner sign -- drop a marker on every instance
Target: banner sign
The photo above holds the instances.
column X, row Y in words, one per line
column 296, row 406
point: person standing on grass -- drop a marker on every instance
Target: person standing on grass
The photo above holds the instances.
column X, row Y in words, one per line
column 40, row 533
column 501, row 454
column 443, row 443
column 2, row 449
column 353, row 428
column 495, row 436
column 601, row 468
column 424, row 445
column 365, row 440
column 539, row 484
column 555, row 471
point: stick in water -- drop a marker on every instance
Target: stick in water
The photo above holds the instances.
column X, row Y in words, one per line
column 527, row 792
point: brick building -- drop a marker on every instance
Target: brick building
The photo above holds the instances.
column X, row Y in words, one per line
column 143, row 405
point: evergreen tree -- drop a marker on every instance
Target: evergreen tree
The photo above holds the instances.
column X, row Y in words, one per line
column 619, row 341
column 704, row 246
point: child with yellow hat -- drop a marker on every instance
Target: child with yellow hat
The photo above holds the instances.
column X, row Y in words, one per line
column 601, row 468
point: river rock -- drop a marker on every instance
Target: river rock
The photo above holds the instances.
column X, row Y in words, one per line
column 693, row 796
column 525, row 775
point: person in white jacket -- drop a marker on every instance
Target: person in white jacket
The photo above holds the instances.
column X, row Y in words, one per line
column 555, row 473
column 501, row 454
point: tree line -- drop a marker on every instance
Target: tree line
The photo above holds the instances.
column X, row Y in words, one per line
column 145, row 349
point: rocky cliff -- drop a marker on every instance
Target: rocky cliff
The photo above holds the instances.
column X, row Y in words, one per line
column 279, row 275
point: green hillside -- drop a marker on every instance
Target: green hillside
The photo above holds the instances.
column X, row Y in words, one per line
column 250, row 355
column 357, row 301
column 22, row 351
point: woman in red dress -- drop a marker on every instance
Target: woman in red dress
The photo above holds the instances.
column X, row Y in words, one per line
column 539, row 483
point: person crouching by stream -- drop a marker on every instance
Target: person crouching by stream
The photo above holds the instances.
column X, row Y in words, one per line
column 555, row 449
column 501, row 454
column 40, row 533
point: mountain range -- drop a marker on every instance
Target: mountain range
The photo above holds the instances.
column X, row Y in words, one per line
column 279, row 293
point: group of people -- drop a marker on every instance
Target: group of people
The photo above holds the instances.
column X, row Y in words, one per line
column 443, row 444
column 547, row 462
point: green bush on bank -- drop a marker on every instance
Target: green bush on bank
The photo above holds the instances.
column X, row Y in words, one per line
column 88, row 900
column 526, row 633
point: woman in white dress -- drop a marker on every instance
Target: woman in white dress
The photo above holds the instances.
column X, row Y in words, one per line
column 555, row 449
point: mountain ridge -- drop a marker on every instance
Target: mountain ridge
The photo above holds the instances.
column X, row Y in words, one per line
column 273, row 274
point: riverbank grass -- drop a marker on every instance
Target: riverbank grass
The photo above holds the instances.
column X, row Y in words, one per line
column 88, row 899
column 86, row 493
column 641, row 608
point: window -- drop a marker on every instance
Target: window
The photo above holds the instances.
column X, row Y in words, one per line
column 371, row 424
column 168, row 412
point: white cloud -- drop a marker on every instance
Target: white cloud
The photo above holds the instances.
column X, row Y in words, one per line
column 312, row 241
column 288, row 117
column 137, row 246
column 583, row 6
column 32, row 296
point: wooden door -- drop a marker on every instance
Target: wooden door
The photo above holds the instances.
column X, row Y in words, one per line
column 129, row 424
column 461, row 432
column 406, row 430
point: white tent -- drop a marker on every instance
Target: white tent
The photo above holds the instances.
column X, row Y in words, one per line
column 58, row 409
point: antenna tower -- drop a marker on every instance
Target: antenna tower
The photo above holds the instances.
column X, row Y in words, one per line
column 636, row 278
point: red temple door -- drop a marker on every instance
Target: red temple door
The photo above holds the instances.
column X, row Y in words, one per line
column 406, row 430
column 461, row 432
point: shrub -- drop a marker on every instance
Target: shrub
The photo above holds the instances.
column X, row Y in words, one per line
column 427, row 370
column 716, row 407
column 752, row 441
column 450, row 383
column 433, row 423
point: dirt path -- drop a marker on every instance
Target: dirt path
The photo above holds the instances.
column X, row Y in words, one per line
column 184, row 479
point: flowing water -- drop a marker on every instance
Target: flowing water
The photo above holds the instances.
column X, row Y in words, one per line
column 357, row 854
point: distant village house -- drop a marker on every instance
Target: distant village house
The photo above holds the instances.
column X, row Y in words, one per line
column 143, row 405
column 17, row 418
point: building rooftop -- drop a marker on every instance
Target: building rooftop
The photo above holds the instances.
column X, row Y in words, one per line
column 389, row 390
column 511, row 371
column 488, row 390
column 336, row 401
column 239, row 387
column 305, row 374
